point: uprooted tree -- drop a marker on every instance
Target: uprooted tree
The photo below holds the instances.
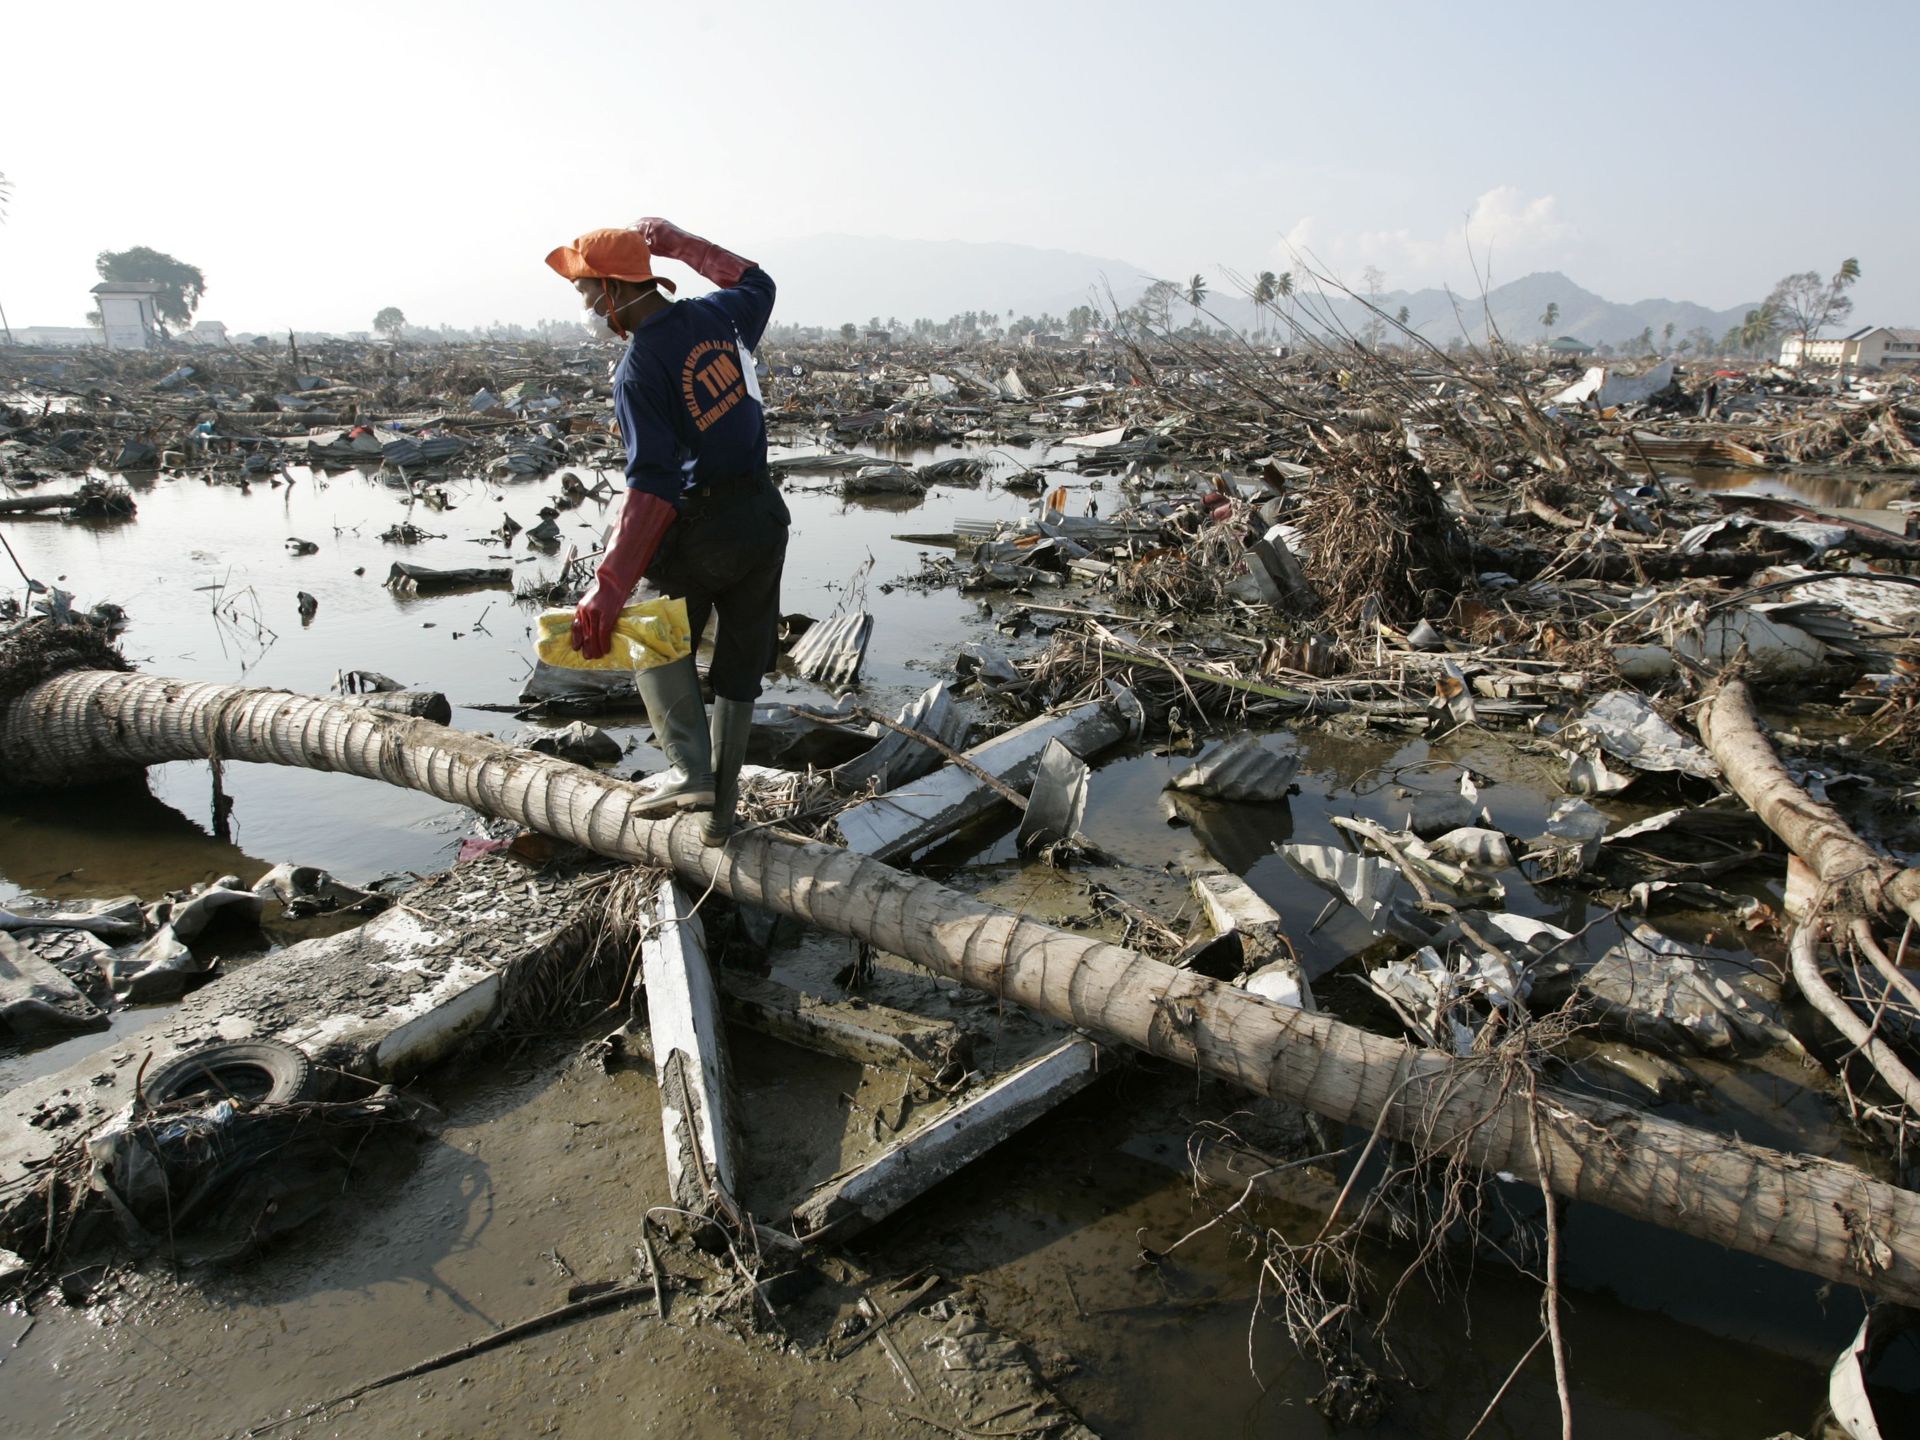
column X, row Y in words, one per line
column 181, row 285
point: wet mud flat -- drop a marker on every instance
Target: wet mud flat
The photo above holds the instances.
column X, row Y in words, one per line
column 1136, row 1295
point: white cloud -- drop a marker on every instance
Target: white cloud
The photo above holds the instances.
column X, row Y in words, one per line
column 1506, row 230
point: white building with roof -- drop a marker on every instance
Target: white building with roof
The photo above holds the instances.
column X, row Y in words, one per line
column 1869, row 348
column 127, row 313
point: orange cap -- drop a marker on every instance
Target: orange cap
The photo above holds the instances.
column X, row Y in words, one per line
column 607, row 255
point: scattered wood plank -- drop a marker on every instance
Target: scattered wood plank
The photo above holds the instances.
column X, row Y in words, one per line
column 911, row 1166
column 689, row 1048
column 1231, row 905
column 406, row 579
column 907, row 820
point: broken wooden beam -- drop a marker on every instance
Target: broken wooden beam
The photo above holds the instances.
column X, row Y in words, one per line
column 905, row 821
column 1232, row 906
column 408, row 579
column 914, row 1164
column 690, row 1059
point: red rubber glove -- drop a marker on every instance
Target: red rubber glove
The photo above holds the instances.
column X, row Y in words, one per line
column 644, row 520
column 703, row 257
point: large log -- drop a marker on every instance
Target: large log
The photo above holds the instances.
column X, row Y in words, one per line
column 1864, row 878
column 1851, row 871
column 1811, row 1213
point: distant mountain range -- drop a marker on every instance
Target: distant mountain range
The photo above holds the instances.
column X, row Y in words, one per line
column 1515, row 310
column 831, row 279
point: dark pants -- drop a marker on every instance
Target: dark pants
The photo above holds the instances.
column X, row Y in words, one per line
column 724, row 556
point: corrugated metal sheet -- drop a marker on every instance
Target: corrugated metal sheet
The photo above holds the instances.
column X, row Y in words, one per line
column 1240, row 769
column 896, row 759
column 1058, row 802
column 832, row 651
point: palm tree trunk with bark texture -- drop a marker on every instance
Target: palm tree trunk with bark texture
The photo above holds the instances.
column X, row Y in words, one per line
column 1813, row 1214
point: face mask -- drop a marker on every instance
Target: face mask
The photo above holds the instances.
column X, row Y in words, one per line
column 597, row 326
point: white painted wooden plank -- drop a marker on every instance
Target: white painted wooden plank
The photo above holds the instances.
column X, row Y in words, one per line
column 904, row 821
column 689, row 1049
column 911, row 1166
column 1232, row 904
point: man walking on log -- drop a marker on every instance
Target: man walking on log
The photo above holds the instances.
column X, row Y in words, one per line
column 701, row 520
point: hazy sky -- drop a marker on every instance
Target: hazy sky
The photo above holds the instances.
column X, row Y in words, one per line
column 320, row 161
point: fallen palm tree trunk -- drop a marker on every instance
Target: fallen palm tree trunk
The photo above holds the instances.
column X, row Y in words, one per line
column 1803, row 1211
column 1861, row 876
column 1852, row 871
column 1803, row 952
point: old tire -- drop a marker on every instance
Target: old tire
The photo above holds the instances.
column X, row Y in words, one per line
column 259, row 1071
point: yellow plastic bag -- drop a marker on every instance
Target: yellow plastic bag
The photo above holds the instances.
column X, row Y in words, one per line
column 651, row 633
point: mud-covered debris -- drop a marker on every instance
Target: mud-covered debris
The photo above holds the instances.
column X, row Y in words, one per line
column 579, row 742
column 161, row 966
column 37, row 999
column 214, row 1174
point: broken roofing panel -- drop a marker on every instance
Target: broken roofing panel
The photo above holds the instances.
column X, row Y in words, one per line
column 832, row 651
column 1240, row 769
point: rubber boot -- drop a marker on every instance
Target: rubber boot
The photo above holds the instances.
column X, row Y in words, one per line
column 732, row 723
column 672, row 696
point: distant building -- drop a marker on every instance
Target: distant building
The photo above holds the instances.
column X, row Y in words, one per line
column 1865, row 349
column 205, row 332
column 1567, row 345
column 127, row 313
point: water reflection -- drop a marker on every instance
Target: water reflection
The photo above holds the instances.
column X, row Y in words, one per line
column 1847, row 490
column 55, row 845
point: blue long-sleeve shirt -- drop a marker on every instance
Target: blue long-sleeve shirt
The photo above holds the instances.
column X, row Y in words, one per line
column 685, row 393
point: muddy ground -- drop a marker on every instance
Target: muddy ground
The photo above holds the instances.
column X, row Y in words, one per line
column 540, row 1160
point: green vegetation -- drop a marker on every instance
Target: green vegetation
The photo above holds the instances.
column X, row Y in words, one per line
column 181, row 285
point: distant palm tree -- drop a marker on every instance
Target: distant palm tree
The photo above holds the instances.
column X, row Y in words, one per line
column 1284, row 288
column 1758, row 329
column 1197, row 295
column 1266, row 289
column 1549, row 318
